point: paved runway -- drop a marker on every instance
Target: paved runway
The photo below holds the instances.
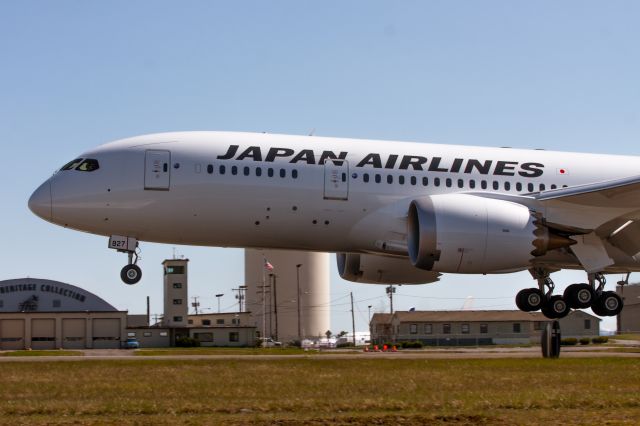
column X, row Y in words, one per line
column 452, row 353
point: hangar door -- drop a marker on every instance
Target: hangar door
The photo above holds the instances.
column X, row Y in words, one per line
column 106, row 333
column 43, row 333
column 11, row 334
column 73, row 333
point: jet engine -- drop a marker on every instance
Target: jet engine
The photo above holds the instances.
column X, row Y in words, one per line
column 462, row 233
column 374, row 269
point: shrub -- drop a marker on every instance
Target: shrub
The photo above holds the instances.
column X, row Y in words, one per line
column 585, row 341
column 569, row 341
column 412, row 345
column 345, row 345
column 187, row 342
column 600, row 339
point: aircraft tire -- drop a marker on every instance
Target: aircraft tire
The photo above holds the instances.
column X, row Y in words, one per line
column 579, row 296
column 556, row 308
column 131, row 274
column 529, row 299
column 609, row 304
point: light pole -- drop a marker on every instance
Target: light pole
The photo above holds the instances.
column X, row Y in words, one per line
column 219, row 296
column 369, row 308
column 298, row 300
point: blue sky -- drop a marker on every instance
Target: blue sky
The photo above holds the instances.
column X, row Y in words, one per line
column 75, row 74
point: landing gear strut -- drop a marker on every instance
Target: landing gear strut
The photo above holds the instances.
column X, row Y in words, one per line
column 532, row 299
column 131, row 273
column 606, row 303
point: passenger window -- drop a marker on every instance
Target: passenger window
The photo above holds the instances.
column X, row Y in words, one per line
column 246, row 171
column 283, row 173
column 472, row 184
column 71, row 164
column 554, row 186
column 436, row 181
column 222, row 169
column 294, row 174
column 413, row 180
column 564, row 186
column 378, row 178
column 507, row 186
column 496, row 185
column 460, row 183
column 401, row 180
column 483, row 184
column 365, row 177
column 389, row 178
column 88, row 165
column 542, row 187
column 530, row 186
column 448, row 183
column 425, row 181
column 270, row 172
column 234, row 170
column 258, row 171
column 210, row 168
column 518, row 186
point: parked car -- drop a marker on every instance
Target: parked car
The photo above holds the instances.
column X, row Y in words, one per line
column 131, row 343
column 268, row 342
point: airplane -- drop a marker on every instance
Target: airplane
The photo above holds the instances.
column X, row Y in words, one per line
column 394, row 212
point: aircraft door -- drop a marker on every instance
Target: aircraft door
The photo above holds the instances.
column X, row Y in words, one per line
column 336, row 179
column 157, row 170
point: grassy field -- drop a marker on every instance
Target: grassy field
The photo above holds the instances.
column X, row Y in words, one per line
column 322, row 391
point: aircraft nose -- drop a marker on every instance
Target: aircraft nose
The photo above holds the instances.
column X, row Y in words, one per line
column 40, row 201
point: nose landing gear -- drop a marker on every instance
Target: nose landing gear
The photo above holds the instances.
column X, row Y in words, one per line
column 131, row 273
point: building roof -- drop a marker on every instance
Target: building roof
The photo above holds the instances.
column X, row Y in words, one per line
column 381, row 317
column 39, row 295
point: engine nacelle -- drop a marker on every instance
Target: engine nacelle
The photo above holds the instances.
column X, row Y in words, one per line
column 463, row 233
column 372, row 269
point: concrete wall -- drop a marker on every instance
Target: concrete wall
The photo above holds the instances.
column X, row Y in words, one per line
column 314, row 297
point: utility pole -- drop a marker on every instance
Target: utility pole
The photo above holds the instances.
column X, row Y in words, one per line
column 390, row 290
column 298, row 300
column 240, row 296
column 195, row 303
column 353, row 321
column 275, row 304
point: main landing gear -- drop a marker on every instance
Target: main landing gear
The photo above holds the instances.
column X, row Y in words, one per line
column 575, row 296
column 131, row 273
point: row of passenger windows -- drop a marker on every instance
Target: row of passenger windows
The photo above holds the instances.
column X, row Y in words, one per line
column 246, row 170
column 402, row 180
column 460, row 183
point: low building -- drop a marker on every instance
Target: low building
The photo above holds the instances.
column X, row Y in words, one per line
column 629, row 318
column 472, row 328
column 46, row 314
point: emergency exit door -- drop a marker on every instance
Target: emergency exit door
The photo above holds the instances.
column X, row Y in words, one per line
column 336, row 179
column 157, row 170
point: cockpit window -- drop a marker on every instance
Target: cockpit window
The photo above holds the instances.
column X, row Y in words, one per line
column 71, row 164
column 88, row 165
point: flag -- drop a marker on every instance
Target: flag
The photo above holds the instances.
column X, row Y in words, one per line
column 268, row 266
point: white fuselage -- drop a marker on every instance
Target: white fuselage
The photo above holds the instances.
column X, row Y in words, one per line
column 277, row 191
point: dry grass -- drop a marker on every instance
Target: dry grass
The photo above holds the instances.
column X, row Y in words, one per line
column 42, row 353
column 322, row 391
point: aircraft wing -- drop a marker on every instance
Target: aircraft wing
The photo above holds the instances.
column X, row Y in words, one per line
column 591, row 206
column 594, row 213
